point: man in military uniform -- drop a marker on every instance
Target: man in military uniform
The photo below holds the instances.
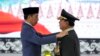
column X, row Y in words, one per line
column 69, row 44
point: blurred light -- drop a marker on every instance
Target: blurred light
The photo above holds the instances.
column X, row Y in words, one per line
column 85, row 1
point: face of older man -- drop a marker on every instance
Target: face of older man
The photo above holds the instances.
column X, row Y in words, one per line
column 63, row 24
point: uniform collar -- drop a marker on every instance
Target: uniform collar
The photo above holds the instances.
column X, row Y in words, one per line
column 69, row 29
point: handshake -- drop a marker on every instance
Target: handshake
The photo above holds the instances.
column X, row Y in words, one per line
column 61, row 34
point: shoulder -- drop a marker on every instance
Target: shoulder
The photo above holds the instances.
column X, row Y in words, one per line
column 72, row 32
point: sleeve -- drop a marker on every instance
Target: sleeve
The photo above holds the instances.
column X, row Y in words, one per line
column 49, row 34
column 33, row 37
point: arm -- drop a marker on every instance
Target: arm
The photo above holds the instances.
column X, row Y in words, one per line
column 47, row 34
column 33, row 37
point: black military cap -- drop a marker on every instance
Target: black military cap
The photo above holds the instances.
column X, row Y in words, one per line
column 30, row 10
column 68, row 17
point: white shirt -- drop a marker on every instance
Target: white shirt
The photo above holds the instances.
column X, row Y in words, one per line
column 28, row 23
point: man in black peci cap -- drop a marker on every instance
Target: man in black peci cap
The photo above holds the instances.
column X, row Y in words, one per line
column 31, row 40
column 69, row 44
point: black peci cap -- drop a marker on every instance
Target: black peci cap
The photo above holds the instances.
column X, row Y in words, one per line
column 30, row 10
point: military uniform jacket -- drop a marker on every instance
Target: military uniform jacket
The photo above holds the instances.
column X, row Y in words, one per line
column 32, row 41
column 69, row 45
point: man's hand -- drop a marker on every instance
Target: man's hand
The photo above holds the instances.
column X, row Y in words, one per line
column 61, row 34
